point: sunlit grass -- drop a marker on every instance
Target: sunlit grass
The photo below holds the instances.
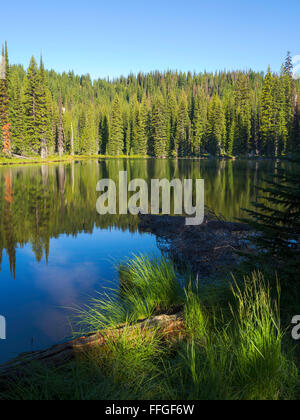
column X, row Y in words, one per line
column 233, row 346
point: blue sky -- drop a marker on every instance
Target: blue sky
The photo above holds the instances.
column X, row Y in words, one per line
column 110, row 38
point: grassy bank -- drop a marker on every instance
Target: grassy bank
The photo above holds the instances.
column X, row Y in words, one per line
column 12, row 161
column 4, row 161
column 232, row 345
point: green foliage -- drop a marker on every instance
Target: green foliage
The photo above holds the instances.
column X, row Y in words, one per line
column 159, row 128
column 116, row 141
column 276, row 220
column 231, row 349
column 157, row 114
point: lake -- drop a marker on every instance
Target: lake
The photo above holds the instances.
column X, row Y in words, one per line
column 56, row 251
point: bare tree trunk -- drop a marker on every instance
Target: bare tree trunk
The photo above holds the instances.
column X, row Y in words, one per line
column 44, row 149
column 60, row 130
column 72, row 140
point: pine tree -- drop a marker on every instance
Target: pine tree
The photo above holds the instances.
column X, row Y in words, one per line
column 104, row 133
column 182, row 137
column 199, row 122
column 116, row 141
column 89, row 142
column 30, row 109
column 242, row 115
column 43, row 122
column 140, row 134
column 159, row 127
column 16, row 116
column 289, row 92
column 172, row 120
column 267, row 115
column 280, row 117
column 216, row 126
column 276, row 219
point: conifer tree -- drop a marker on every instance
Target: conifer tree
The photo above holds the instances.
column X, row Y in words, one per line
column 172, row 120
column 16, row 116
column 182, row 137
column 243, row 114
column 216, row 126
column 159, row 127
column 30, row 109
column 116, row 141
column 199, row 122
column 104, row 133
column 276, row 218
column 42, row 112
column 267, row 115
column 89, row 143
column 140, row 135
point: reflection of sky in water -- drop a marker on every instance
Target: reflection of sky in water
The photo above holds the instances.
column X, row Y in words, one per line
column 36, row 303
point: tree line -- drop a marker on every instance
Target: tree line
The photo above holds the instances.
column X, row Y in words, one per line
column 157, row 114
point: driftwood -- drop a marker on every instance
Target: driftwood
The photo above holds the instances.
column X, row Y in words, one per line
column 169, row 326
column 20, row 156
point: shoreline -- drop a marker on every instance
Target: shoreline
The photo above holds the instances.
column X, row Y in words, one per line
column 15, row 161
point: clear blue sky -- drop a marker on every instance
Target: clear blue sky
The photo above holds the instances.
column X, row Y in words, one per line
column 110, row 38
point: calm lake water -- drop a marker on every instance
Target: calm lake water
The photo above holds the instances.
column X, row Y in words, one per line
column 56, row 252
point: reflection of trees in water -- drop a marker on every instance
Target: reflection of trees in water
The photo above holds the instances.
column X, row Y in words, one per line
column 7, row 240
column 38, row 203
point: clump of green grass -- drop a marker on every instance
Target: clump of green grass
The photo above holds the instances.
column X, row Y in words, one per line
column 259, row 354
column 237, row 357
column 151, row 284
column 233, row 347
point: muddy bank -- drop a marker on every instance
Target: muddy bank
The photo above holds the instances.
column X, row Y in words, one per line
column 209, row 249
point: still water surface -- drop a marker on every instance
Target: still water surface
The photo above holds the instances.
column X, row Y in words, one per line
column 56, row 252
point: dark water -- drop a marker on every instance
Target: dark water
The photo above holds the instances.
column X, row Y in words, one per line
column 56, row 251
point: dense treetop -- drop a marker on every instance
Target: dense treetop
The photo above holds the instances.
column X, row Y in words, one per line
column 156, row 114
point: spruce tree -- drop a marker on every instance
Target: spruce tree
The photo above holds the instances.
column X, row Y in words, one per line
column 90, row 145
column 182, row 146
column 159, row 127
column 116, row 141
column 141, row 129
column 267, row 115
column 104, row 133
column 216, row 126
column 42, row 112
column 276, row 220
column 199, row 122
column 242, row 114
column 16, row 116
column 172, row 120
column 30, row 109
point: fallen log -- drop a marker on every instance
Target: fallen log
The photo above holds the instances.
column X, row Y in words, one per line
column 20, row 156
column 168, row 326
